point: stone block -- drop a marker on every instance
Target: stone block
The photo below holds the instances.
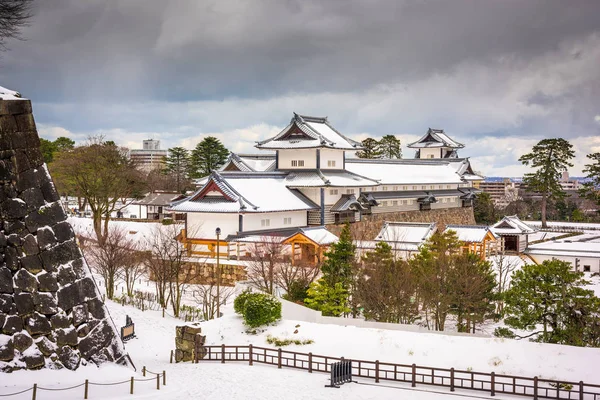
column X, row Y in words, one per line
column 25, row 281
column 69, row 357
column 63, row 231
column 37, row 324
column 11, row 258
column 46, row 238
column 22, row 341
column 67, row 336
column 21, row 161
column 7, row 350
column 34, row 360
column 66, row 275
column 60, row 255
column 45, row 303
column 3, row 241
column 60, row 321
column 6, row 303
column 83, row 330
column 30, row 245
column 26, row 180
column 79, row 268
column 49, row 192
column 47, row 282
column 46, row 346
column 80, row 314
column 24, row 303
column 5, row 280
column 12, row 324
column 33, row 197
column 97, row 340
column 96, row 308
column 32, row 264
column 13, row 209
column 76, row 293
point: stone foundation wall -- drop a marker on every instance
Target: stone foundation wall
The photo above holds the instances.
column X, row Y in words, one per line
column 186, row 337
column 51, row 313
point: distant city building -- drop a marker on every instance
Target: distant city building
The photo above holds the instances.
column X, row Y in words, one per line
column 150, row 156
column 569, row 184
column 502, row 192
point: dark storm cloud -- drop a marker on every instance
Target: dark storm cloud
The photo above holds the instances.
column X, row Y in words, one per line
column 486, row 71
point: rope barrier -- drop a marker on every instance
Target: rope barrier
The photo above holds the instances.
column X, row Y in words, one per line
column 144, row 380
column 14, row 394
column 109, row 384
column 57, row 389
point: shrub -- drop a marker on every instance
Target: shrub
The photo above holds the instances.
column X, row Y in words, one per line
column 278, row 342
column 240, row 302
column 167, row 221
column 504, row 332
column 261, row 309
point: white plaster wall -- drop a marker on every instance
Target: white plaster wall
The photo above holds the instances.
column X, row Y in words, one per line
column 308, row 155
column 203, row 225
column 426, row 153
column 335, row 155
column 594, row 263
column 312, row 193
column 252, row 222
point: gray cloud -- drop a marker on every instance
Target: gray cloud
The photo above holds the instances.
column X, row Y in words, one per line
column 181, row 69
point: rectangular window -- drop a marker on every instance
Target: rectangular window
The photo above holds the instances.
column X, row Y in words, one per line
column 423, row 187
column 331, row 163
column 443, row 199
column 448, row 187
column 404, row 202
column 384, row 203
column 395, row 187
column 586, row 268
column 287, row 221
column 414, row 188
column 333, row 192
column 297, row 163
column 349, row 191
column 410, row 202
column 384, row 188
column 404, row 187
column 265, row 222
column 395, row 202
column 432, row 187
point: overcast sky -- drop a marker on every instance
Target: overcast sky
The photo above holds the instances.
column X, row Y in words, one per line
column 496, row 75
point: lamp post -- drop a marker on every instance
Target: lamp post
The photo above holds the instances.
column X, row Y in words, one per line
column 218, row 232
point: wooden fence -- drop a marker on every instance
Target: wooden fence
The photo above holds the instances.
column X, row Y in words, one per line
column 35, row 389
column 493, row 383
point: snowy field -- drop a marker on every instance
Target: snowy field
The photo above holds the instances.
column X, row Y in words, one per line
column 212, row 380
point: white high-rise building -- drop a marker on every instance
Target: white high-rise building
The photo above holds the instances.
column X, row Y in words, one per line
column 150, row 156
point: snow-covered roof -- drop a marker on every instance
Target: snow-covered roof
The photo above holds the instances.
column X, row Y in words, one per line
column 406, row 232
column 318, row 234
column 158, row 199
column 405, row 172
column 327, row 178
column 565, row 248
column 244, row 192
column 7, row 94
column 436, row 138
column 463, row 168
column 249, row 162
column 345, row 203
column 470, row 233
column 511, row 225
column 305, row 131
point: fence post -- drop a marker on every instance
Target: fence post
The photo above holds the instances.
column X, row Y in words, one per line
column 452, row 379
column 34, row 391
column 131, row 386
column 144, row 371
column 222, row 354
column 535, row 388
column 279, row 358
column 85, row 389
column 164, row 378
column 250, row 351
column 171, row 358
column 310, row 363
column 493, row 384
column 157, row 381
column 414, row 375
column 196, row 356
column 376, row 371
column 163, row 312
column 580, row 390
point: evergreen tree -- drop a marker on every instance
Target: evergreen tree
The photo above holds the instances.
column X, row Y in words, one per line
column 390, row 147
column 177, row 165
column 332, row 301
column 591, row 189
column 473, row 282
column 49, row 149
column 337, row 267
column 551, row 295
column 551, row 158
column 208, row 156
column 484, row 209
column 386, row 288
column 370, row 149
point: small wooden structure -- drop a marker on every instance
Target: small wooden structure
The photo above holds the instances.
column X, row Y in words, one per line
column 513, row 233
column 476, row 239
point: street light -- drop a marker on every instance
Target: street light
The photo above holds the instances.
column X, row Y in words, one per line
column 218, row 232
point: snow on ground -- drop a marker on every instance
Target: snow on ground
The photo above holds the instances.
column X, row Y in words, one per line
column 237, row 380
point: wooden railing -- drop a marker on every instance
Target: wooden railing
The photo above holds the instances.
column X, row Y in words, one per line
column 493, row 383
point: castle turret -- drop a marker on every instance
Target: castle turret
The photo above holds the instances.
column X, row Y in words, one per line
column 436, row 144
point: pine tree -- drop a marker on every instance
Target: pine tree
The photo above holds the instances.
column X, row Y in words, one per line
column 370, row 149
column 484, row 210
column 332, row 301
column 591, row 189
column 390, row 147
column 177, row 164
column 550, row 295
column 337, row 267
column 551, row 158
column 208, row 156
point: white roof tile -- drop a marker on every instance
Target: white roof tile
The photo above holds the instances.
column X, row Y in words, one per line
column 469, row 233
column 405, row 172
column 406, row 232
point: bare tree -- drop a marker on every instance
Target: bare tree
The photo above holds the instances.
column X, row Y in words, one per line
column 168, row 266
column 206, row 297
column 266, row 257
column 109, row 256
column 133, row 268
column 14, row 15
column 503, row 266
